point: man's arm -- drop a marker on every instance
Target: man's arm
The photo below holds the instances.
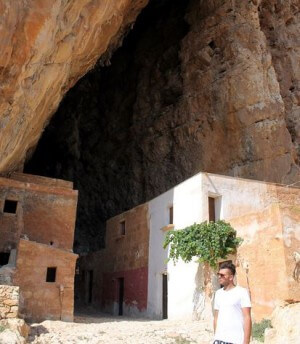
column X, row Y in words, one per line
column 216, row 313
column 247, row 324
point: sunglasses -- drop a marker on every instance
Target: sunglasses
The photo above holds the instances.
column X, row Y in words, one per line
column 221, row 275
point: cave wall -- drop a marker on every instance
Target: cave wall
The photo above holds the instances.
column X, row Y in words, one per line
column 195, row 87
column 280, row 22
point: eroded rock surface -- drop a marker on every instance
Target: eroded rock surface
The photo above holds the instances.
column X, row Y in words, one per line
column 45, row 47
column 285, row 323
column 280, row 22
column 193, row 88
column 13, row 331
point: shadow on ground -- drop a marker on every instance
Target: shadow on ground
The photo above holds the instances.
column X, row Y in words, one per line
column 35, row 331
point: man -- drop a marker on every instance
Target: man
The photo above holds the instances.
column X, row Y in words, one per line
column 232, row 309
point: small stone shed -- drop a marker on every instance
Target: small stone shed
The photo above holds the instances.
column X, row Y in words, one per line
column 37, row 219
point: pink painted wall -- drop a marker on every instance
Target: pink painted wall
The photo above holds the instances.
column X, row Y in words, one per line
column 135, row 288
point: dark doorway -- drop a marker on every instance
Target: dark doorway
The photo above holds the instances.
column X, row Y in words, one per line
column 4, row 258
column 211, row 209
column 165, row 296
column 90, row 286
column 171, row 216
column 121, row 294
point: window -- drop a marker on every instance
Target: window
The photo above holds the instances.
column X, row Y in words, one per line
column 51, row 275
column 4, row 258
column 171, row 220
column 211, row 209
column 122, row 227
column 10, row 206
column 214, row 207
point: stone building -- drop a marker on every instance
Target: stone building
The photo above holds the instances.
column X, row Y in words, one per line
column 131, row 275
column 116, row 278
column 37, row 218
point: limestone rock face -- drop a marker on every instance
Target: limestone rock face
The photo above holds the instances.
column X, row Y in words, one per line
column 10, row 337
column 45, row 47
column 280, row 22
column 285, row 322
column 15, row 331
column 233, row 93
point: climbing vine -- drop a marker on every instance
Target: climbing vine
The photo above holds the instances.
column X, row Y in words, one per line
column 208, row 241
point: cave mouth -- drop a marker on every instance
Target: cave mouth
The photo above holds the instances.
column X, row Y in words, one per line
column 107, row 136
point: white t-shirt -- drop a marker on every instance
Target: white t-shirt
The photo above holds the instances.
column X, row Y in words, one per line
column 230, row 324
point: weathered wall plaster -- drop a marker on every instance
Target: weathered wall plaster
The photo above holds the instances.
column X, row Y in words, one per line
column 46, row 211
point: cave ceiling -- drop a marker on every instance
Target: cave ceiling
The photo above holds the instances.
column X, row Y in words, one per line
column 45, row 47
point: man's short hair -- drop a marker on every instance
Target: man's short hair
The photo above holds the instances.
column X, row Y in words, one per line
column 229, row 266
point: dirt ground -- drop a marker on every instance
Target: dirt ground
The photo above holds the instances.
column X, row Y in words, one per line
column 120, row 330
column 109, row 330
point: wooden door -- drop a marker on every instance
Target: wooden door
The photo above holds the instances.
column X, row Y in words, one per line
column 165, row 296
column 121, row 295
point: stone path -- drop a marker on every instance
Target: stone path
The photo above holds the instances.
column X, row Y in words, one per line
column 113, row 330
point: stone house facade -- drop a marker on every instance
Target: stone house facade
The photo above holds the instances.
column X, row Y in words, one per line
column 37, row 219
column 115, row 279
column 265, row 215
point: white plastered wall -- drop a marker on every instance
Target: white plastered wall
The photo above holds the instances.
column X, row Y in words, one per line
column 235, row 198
column 158, row 217
column 186, row 199
column 183, row 279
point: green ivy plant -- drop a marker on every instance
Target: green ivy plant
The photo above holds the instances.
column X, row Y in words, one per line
column 208, row 241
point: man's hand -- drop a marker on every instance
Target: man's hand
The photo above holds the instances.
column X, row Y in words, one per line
column 247, row 324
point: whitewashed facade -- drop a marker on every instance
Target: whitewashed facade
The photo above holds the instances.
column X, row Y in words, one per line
column 251, row 208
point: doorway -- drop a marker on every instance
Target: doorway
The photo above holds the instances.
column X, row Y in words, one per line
column 90, row 285
column 165, row 296
column 4, row 258
column 121, row 294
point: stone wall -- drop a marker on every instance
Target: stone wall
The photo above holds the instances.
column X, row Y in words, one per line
column 38, row 234
column 9, row 301
column 46, row 211
column 10, row 224
column 290, row 219
column 42, row 299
